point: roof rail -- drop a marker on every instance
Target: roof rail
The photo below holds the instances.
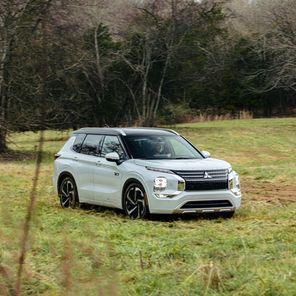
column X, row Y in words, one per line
column 172, row 131
column 120, row 131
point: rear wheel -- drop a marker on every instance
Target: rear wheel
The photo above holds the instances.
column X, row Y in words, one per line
column 68, row 193
column 135, row 203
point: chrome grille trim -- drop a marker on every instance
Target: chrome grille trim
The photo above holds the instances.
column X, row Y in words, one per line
column 196, row 181
column 215, row 174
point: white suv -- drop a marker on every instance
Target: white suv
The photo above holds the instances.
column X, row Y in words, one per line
column 142, row 171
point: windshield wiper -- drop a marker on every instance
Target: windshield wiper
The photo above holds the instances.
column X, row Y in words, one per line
column 182, row 157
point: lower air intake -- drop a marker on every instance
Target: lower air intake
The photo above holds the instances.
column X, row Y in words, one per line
column 207, row 204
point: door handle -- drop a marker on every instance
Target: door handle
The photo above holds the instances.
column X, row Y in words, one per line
column 98, row 163
column 75, row 158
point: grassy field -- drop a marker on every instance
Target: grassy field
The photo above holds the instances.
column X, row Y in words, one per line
column 101, row 252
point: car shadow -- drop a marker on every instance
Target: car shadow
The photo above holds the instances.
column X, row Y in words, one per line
column 95, row 209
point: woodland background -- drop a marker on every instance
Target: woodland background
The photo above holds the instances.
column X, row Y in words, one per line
column 71, row 63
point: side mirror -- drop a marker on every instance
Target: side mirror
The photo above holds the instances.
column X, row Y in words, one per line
column 206, row 154
column 112, row 156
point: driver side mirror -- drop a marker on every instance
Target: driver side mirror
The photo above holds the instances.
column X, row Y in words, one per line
column 206, row 154
column 113, row 157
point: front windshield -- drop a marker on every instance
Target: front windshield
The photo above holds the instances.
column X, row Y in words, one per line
column 160, row 147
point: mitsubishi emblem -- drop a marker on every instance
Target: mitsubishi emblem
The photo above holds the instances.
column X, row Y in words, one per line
column 207, row 176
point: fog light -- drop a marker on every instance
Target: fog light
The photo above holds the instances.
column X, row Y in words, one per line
column 181, row 185
column 230, row 184
column 160, row 184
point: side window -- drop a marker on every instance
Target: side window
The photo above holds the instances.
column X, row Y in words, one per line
column 78, row 142
column 112, row 144
column 91, row 145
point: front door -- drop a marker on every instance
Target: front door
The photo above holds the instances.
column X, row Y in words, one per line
column 107, row 174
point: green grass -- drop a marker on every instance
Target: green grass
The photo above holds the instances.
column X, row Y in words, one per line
column 101, row 252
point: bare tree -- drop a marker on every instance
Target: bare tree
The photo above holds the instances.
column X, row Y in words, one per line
column 279, row 43
column 11, row 13
column 271, row 27
column 14, row 16
column 152, row 47
column 159, row 30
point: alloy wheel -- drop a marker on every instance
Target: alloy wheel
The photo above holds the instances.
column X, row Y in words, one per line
column 67, row 193
column 135, row 204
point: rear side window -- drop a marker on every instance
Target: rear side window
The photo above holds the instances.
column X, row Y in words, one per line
column 78, row 142
column 91, row 145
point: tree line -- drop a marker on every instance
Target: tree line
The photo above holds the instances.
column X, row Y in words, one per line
column 72, row 63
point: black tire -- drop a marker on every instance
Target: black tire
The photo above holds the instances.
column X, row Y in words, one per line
column 68, row 193
column 135, row 204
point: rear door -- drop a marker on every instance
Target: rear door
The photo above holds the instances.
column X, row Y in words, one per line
column 86, row 161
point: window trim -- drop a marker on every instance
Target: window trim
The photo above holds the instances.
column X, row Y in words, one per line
column 120, row 142
column 126, row 148
column 81, row 142
column 193, row 147
column 99, row 147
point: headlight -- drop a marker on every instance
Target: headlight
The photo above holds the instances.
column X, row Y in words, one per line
column 160, row 184
column 159, row 170
column 161, row 189
column 236, row 181
column 233, row 183
column 229, row 170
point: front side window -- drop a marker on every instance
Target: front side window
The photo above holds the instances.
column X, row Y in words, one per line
column 161, row 147
column 91, row 145
column 112, row 144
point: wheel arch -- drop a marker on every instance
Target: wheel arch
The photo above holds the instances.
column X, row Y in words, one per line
column 126, row 184
column 62, row 176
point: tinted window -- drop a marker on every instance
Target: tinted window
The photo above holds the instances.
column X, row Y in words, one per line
column 161, row 147
column 78, row 141
column 91, row 145
column 112, row 144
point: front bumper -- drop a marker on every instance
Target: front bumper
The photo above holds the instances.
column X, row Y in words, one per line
column 176, row 204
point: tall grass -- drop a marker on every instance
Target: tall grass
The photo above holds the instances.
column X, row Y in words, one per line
column 28, row 218
column 97, row 251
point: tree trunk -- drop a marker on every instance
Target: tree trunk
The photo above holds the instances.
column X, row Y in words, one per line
column 98, row 58
column 3, row 112
column 3, row 145
column 159, row 92
column 3, row 96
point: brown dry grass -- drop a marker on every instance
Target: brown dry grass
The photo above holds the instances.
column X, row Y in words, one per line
column 268, row 191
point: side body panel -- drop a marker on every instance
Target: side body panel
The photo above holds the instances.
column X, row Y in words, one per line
column 107, row 183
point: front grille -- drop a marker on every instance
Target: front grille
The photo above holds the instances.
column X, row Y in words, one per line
column 204, row 180
column 206, row 204
column 206, row 185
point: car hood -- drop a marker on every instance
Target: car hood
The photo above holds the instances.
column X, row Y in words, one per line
column 185, row 164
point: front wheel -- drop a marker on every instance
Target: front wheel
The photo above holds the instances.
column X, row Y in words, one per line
column 135, row 203
column 68, row 193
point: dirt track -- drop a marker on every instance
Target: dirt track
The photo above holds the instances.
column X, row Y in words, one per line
column 268, row 191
